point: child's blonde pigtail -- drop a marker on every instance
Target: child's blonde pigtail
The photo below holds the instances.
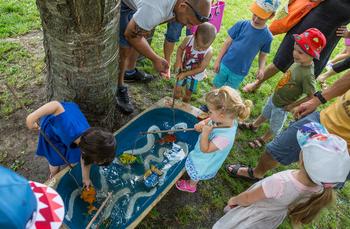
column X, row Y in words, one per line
column 244, row 109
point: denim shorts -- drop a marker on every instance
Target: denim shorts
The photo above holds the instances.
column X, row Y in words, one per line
column 189, row 83
column 173, row 32
column 125, row 16
column 284, row 148
column 227, row 78
column 276, row 116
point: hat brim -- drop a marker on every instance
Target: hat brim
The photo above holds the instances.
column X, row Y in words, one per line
column 50, row 207
column 258, row 11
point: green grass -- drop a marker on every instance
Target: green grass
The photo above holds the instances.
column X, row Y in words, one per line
column 18, row 17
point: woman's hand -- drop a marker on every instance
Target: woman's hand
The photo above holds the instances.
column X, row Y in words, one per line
column 32, row 122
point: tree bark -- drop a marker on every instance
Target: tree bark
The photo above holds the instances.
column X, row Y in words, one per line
column 81, row 46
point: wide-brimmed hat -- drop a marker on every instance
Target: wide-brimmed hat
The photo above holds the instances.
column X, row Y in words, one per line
column 28, row 204
column 325, row 156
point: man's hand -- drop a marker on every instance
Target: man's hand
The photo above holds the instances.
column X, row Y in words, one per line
column 342, row 31
column 306, row 108
column 260, row 74
column 161, row 66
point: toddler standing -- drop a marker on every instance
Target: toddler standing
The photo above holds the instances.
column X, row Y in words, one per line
column 213, row 145
column 192, row 58
column 301, row 194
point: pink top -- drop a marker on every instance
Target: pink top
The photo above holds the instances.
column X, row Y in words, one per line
column 347, row 41
column 273, row 188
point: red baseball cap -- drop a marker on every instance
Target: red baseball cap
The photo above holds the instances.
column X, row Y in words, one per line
column 312, row 41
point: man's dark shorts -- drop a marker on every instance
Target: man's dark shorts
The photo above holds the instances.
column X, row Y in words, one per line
column 125, row 16
column 284, row 148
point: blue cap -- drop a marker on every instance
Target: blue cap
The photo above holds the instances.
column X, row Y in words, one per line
column 17, row 200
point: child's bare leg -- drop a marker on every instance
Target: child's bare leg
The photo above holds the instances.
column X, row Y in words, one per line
column 193, row 183
column 53, row 170
column 178, row 92
column 187, row 96
column 267, row 136
column 260, row 120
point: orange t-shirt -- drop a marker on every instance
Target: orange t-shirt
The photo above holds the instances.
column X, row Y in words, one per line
column 296, row 11
column 336, row 117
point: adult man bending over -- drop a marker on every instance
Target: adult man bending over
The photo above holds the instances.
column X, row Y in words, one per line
column 137, row 19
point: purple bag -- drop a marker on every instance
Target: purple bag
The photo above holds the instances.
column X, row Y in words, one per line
column 217, row 12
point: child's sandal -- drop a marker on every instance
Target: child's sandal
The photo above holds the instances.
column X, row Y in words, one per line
column 184, row 185
column 257, row 143
column 247, row 126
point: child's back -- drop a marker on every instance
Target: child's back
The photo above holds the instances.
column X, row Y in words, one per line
column 281, row 190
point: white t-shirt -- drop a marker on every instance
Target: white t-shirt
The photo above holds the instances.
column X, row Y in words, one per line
column 150, row 13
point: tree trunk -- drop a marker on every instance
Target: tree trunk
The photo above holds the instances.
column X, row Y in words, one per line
column 82, row 51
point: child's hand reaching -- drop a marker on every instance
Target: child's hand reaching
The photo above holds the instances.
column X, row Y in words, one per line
column 87, row 183
column 32, row 122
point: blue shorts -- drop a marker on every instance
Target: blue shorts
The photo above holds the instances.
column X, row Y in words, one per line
column 227, row 78
column 284, row 148
column 125, row 16
column 173, row 32
column 276, row 116
column 189, row 83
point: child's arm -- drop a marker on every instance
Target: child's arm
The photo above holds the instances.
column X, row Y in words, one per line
column 205, row 145
column 222, row 52
column 199, row 126
column 180, row 54
column 53, row 107
column 262, row 63
column 200, row 68
column 85, row 173
column 248, row 197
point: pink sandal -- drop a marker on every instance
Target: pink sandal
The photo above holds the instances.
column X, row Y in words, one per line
column 184, row 185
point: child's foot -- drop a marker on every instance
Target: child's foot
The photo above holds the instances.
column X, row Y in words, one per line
column 247, row 126
column 184, row 185
column 251, row 87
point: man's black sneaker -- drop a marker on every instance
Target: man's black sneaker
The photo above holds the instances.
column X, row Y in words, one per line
column 138, row 76
column 123, row 100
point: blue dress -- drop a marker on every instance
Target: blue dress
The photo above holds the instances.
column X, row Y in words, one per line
column 204, row 166
column 62, row 130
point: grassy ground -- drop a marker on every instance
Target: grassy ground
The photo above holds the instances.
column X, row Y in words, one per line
column 21, row 65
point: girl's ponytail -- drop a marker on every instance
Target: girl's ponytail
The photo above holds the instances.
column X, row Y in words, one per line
column 305, row 212
column 244, row 109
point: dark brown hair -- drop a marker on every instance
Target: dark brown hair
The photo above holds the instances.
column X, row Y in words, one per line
column 97, row 146
column 206, row 32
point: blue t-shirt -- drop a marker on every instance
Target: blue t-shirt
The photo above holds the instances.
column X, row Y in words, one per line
column 247, row 41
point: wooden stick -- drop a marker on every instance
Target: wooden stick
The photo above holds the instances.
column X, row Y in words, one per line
column 99, row 210
column 177, row 130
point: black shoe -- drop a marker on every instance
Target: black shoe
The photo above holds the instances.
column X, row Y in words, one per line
column 139, row 76
column 123, row 100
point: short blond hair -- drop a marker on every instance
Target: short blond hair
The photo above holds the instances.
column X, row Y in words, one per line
column 230, row 102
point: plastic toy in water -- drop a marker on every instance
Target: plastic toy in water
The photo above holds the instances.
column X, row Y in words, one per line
column 151, row 176
column 175, row 153
column 167, row 138
column 127, row 158
column 89, row 196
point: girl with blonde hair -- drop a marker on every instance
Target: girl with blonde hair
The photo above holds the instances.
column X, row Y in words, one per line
column 214, row 144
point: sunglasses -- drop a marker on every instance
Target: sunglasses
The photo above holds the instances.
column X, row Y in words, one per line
column 198, row 16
